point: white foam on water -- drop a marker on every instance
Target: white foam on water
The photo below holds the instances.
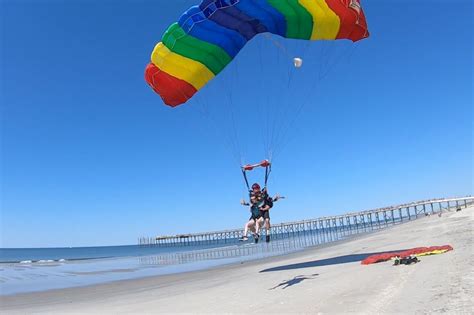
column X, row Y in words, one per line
column 26, row 262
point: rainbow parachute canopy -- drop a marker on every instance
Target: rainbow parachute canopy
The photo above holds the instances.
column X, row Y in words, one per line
column 207, row 37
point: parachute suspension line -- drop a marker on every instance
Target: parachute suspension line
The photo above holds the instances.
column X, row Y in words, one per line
column 259, row 102
column 280, row 109
column 290, row 76
column 234, row 109
column 204, row 112
column 245, row 178
column 277, row 44
column 203, row 107
column 232, row 140
column 325, row 52
column 268, row 112
column 275, row 115
column 312, row 88
column 324, row 71
column 283, row 136
column 268, row 149
column 284, row 111
column 280, row 101
column 330, row 63
column 283, row 49
column 264, row 113
column 227, row 140
column 345, row 54
column 288, row 110
column 263, row 103
column 233, row 134
column 234, row 128
column 268, row 169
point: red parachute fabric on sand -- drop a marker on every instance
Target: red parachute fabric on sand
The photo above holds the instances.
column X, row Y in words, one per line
column 414, row 251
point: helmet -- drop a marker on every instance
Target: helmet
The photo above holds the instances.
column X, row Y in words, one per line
column 255, row 186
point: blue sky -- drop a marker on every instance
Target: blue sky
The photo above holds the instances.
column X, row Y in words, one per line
column 91, row 156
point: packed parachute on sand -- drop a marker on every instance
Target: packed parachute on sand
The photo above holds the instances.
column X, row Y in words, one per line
column 415, row 252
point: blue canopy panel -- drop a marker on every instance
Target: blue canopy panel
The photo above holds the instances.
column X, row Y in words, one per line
column 195, row 23
column 267, row 15
column 225, row 14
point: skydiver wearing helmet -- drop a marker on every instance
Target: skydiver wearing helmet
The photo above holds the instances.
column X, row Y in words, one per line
column 265, row 212
column 260, row 205
column 256, row 201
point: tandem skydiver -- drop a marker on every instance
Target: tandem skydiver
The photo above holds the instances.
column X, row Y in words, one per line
column 260, row 203
column 265, row 212
column 256, row 201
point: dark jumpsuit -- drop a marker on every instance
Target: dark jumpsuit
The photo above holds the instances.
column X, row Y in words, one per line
column 267, row 201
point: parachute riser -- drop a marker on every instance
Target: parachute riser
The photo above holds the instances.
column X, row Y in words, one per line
column 265, row 163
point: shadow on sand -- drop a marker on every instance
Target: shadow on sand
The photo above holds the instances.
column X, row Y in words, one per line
column 298, row 279
column 328, row 261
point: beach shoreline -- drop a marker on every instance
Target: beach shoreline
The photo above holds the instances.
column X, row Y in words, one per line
column 327, row 279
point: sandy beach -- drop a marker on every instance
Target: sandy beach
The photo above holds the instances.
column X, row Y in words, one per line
column 319, row 280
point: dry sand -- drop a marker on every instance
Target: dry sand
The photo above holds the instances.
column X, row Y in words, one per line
column 318, row 280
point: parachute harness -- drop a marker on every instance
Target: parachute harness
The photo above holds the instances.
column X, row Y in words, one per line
column 249, row 167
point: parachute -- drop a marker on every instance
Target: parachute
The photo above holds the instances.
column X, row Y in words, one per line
column 418, row 251
column 208, row 36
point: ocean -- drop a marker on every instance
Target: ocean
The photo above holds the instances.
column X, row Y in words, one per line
column 39, row 269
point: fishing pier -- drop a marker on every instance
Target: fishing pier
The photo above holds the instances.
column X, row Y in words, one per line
column 327, row 228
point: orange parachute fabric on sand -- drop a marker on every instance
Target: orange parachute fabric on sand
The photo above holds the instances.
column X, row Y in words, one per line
column 418, row 251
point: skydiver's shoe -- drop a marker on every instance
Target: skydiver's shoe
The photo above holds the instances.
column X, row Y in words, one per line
column 267, row 238
column 243, row 239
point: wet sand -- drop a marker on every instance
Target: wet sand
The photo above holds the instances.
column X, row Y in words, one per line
column 318, row 280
